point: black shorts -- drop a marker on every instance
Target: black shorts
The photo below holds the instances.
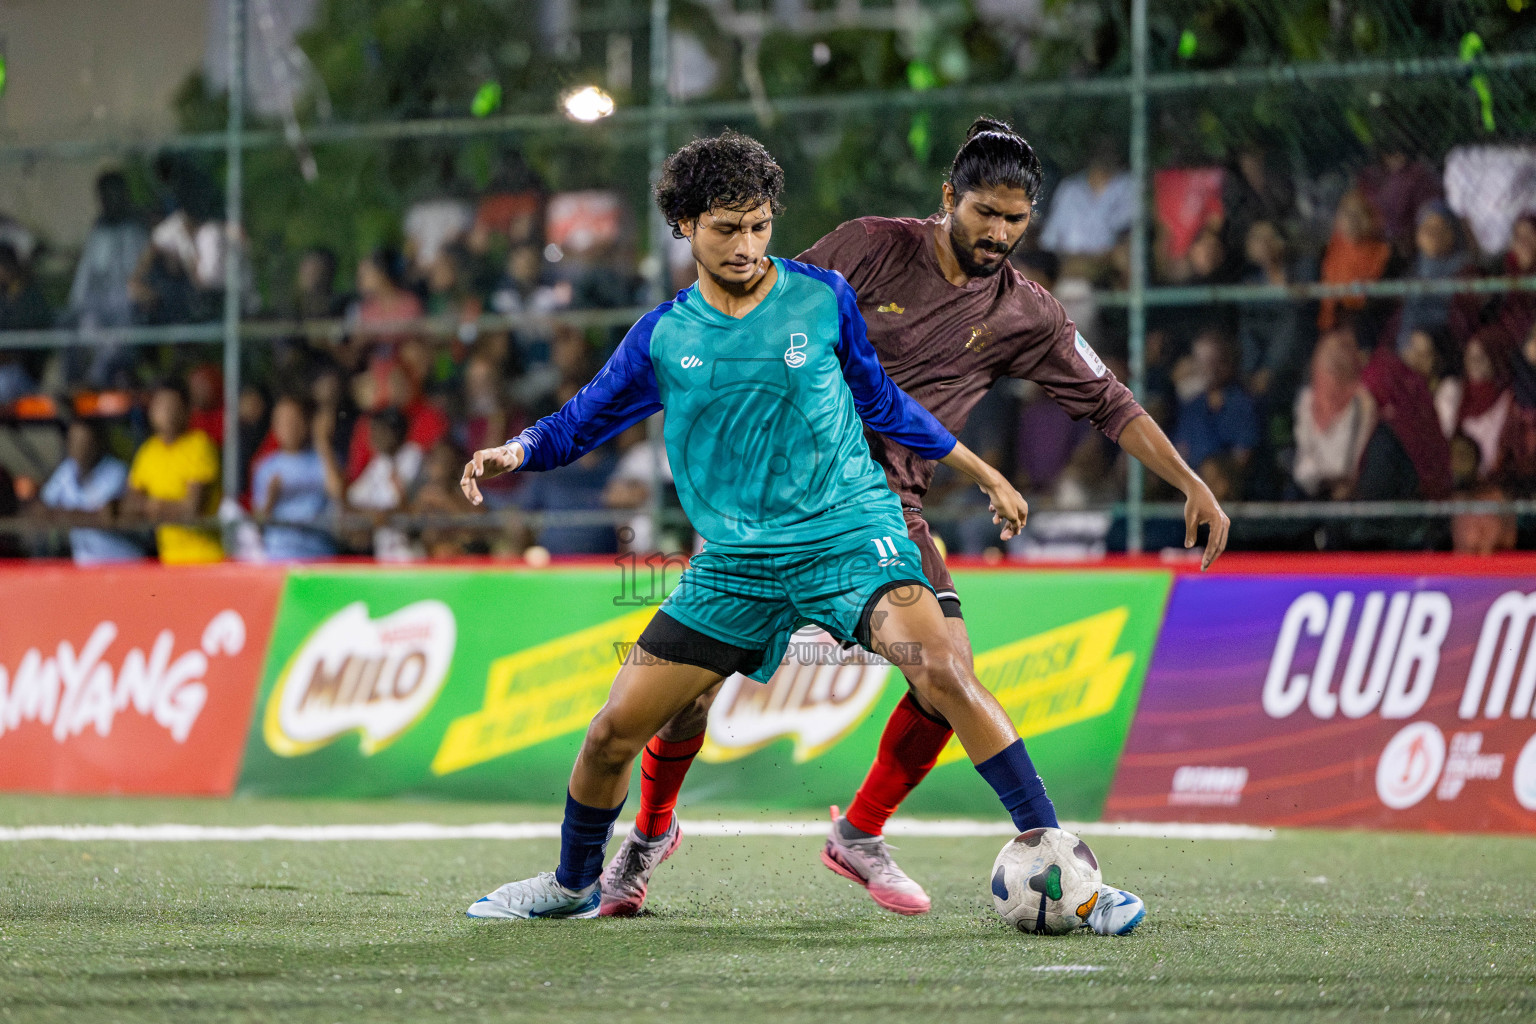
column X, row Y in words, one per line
column 666, row 638
column 933, row 562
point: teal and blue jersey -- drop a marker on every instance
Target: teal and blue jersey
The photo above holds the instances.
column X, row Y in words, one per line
column 764, row 413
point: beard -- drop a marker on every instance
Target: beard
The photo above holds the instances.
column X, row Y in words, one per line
column 963, row 250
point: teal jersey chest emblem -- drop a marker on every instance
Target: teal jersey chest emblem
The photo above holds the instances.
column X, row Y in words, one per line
column 760, row 427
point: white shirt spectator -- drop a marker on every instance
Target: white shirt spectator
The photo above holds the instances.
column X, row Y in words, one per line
column 1082, row 222
column 383, row 483
column 99, row 295
column 1326, row 455
column 68, row 491
column 199, row 248
column 12, row 233
column 1448, row 404
column 381, row 487
column 1486, row 428
column 1490, row 187
column 433, row 224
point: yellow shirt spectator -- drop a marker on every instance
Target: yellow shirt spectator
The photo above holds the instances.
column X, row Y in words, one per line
column 165, row 472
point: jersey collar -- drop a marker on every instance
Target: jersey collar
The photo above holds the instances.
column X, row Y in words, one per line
column 699, row 305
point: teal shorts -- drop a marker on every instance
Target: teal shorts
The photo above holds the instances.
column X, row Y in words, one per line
column 757, row 600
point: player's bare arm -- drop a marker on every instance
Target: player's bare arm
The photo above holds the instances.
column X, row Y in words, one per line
column 1009, row 509
column 1145, row 440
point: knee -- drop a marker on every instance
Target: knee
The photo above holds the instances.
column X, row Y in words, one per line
column 942, row 676
column 606, row 747
column 690, row 721
column 924, row 705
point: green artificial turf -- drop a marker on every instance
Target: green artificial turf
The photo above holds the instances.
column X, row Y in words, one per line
column 1310, row 925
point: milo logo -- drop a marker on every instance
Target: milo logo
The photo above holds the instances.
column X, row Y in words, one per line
column 1057, row 678
column 354, row 673
column 818, row 695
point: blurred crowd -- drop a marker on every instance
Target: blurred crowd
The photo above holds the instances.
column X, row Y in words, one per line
column 1430, row 396
column 355, row 417
column 357, row 412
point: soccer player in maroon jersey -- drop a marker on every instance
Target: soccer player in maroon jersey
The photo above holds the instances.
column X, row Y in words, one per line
column 948, row 316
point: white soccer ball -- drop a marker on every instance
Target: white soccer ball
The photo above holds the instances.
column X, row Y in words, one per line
column 1045, row 881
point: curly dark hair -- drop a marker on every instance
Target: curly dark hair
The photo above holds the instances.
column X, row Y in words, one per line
column 731, row 171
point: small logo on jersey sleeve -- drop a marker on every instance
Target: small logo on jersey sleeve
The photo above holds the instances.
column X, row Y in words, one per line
column 1089, row 356
column 889, row 307
column 795, row 354
column 689, row 362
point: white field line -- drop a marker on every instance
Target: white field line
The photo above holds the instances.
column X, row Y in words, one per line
column 953, row 828
column 1068, row 968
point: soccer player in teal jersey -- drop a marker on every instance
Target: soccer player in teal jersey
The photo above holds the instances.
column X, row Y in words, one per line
column 768, row 380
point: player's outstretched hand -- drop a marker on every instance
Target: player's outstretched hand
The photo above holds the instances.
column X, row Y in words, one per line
column 1008, row 507
column 1202, row 509
column 489, row 462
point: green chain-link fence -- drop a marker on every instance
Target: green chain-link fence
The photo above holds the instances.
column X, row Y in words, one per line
column 1225, row 115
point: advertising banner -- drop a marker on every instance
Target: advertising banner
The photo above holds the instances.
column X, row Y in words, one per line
column 129, row 680
column 1376, row 701
column 1064, row 652
column 480, row 684
column 466, row 683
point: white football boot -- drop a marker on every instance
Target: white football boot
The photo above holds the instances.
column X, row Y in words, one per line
column 539, row 896
column 625, row 878
column 1115, row 911
column 868, row 862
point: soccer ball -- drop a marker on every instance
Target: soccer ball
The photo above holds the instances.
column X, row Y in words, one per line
column 1045, row 881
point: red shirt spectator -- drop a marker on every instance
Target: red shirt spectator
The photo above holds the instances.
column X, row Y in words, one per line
column 1517, row 446
column 205, row 390
column 383, row 302
column 426, row 424
column 1485, row 402
column 1516, row 315
column 1397, row 187
column 1405, row 406
column 1356, row 252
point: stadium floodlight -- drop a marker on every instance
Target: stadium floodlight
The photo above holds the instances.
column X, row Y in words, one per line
column 587, row 103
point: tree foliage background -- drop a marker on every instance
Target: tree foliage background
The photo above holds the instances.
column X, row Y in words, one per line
column 394, row 59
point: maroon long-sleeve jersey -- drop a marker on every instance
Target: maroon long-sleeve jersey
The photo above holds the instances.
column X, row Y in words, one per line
column 946, row 346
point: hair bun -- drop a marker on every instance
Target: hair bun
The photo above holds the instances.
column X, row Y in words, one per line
column 995, row 155
column 988, row 124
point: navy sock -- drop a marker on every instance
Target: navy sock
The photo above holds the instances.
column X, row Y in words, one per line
column 584, row 836
column 1012, row 774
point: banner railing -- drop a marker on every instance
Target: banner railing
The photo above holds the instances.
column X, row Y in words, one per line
column 500, row 520
column 332, row 329
column 337, row 328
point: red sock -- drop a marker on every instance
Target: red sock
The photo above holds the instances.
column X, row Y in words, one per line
column 908, row 749
column 662, row 768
